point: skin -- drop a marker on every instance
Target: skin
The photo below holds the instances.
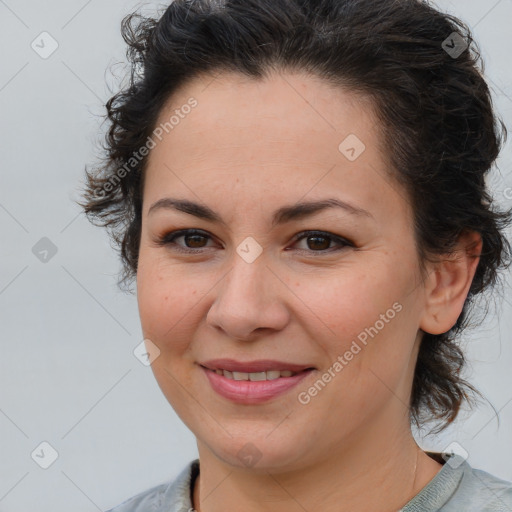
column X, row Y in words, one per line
column 247, row 149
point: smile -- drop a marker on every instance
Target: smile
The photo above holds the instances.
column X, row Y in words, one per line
column 251, row 388
column 256, row 376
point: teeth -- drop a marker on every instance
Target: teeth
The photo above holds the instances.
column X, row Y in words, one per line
column 255, row 376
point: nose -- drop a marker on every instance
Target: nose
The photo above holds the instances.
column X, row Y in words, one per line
column 250, row 299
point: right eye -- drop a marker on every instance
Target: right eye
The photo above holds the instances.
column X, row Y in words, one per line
column 194, row 237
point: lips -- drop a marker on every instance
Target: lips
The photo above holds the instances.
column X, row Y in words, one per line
column 252, row 391
column 253, row 382
column 260, row 365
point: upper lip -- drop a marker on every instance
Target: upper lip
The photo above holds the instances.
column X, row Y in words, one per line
column 259, row 365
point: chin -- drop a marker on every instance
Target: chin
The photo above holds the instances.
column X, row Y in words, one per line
column 259, row 455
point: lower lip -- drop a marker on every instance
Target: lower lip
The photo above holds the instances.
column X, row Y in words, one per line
column 252, row 392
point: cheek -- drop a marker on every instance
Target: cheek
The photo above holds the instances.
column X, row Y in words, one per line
column 166, row 299
column 366, row 327
column 367, row 315
column 349, row 301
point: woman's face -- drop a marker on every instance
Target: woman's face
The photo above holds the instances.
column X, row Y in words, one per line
column 346, row 301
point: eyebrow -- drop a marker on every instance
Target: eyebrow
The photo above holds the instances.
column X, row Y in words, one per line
column 282, row 215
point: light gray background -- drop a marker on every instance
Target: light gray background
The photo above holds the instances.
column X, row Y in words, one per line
column 68, row 373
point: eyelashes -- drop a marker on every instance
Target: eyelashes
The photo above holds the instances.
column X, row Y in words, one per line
column 318, row 237
column 169, row 240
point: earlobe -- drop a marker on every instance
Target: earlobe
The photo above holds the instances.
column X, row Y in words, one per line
column 448, row 283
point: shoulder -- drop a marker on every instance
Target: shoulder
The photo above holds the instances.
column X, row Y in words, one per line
column 480, row 491
column 168, row 496
column 458, row 486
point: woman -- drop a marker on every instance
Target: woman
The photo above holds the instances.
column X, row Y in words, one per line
column 298, row 188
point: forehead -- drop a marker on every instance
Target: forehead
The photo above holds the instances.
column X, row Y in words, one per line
column 285, row 135
column 281, row 108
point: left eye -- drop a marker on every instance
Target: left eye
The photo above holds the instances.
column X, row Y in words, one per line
column 317, row 241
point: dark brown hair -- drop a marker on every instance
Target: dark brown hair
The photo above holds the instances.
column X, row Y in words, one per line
column 440, row 131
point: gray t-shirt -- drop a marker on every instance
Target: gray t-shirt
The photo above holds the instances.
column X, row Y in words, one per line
column 457, row 487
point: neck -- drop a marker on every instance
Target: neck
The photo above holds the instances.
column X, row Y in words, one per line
column 383, row 473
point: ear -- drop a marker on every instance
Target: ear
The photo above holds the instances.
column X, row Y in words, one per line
column 448, row 283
